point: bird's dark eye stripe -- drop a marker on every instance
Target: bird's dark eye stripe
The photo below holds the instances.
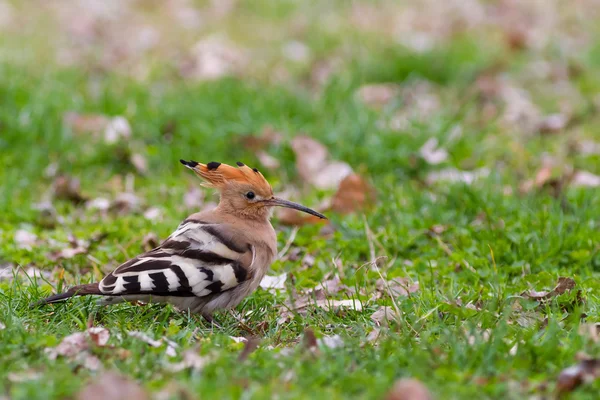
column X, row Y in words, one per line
column 250, row 195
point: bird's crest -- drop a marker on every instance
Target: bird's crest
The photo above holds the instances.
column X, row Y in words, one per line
column 218, row 175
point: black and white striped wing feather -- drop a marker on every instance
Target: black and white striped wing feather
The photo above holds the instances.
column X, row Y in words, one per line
column 198, row 259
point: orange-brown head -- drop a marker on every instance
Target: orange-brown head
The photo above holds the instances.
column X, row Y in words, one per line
column 244, row 191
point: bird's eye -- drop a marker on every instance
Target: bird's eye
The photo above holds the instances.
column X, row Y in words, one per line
column 250, row 195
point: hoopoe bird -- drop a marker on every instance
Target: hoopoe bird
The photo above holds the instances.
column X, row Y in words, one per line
column 213, row 260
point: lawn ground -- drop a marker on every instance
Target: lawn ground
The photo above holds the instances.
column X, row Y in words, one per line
column 476, row 251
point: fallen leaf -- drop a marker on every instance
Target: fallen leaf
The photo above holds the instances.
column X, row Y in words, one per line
column 309, row 340
column 570, row 378
column 313, row 164
column 267, row 160
column 330, row 287
column 377, row 95
column 396, row 287
column 116, row 130
column 453, row 175
column 332, row 342
column 111, row 385
column 432, row 154
column 125, row 203
column 85, row 123
column 585, row 179
column 269, row 136
column 588, row 147
column 24, row 376
column 212, row 58
column 384, row 315
column 99, row 335
column 170, row 345
column 100, row 203
column 193, row 199
column 25, row 239
column 249, row 347
column 563, row 285
column 67, row 188
column 354, row 193
column 111, row 129
column 153, row 213
column 191, row 360
column 591, row 331
column 149, row 242
column 408, row 389
column 139, row 162
column 77, row 345
column 296, row 51
column 334, row 305
column 273, row 283
column 553, row 123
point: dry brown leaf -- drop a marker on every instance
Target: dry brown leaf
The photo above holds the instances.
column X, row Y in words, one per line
column 77, row 345
column 329, row 287
column 409, row 389
column 212, row 58
column 377, row 95
column 111, row 130
column 334, row 305
column 249, row 347
column 267, row 160
column 332, row 342
column 354, row 193
column 125, row 203
column 25, row 239
column 85, row 123
column 309, row 340
column 149, row 242
column 384, row 315
column 553, row 123
column 170, row 345
column 269, row 136
column 585, row 179
column 24, row 376
column 570, row 378
column 588, row 147
column 454, row 175
column 153, row 214
column 313, row 164
column 116, row 130
column 563, row 285
column 191, row 360
column 591, row 331
column 273, row 283
column 396, row 286
column 139, row 162
column 77, row 246
column 67, row 188
column 111, row 385
column 433, row 154
column 193, row 199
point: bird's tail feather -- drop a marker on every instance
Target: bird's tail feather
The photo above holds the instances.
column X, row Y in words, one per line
column 80, row 290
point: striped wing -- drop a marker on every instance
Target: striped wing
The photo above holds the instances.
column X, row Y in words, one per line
column 198, row 259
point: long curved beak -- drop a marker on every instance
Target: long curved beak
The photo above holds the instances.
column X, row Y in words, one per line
column 277, row 202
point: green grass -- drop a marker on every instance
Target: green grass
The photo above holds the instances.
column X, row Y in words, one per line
column 494, row 247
